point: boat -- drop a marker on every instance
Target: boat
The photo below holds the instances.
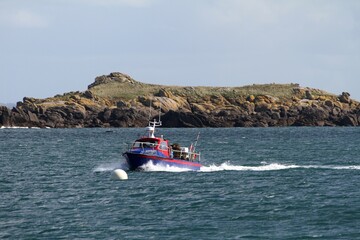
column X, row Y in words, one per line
column 159, row 152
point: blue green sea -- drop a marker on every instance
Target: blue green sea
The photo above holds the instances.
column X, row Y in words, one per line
column 256, row 183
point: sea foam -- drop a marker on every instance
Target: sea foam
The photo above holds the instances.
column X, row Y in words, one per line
column 226, row 166
column 271, row 167
column 150, row 167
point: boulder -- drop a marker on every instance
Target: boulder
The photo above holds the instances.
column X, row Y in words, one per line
column 248, row 107
column 121, row 104
column 349, row 120
column 112, row 77
column 262, row 107
column 127, row 117
column 5, row 116
column 311, row 116
column 88, row 94
column 105, row 115
column 164, row 93
column 250, row 98
column 33, row 117
column 329, row 103
column 345, row 97
column 166, row 104
column 181, row 119
column 308, row 95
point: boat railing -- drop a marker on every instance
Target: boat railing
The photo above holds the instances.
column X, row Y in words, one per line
column 186, row 155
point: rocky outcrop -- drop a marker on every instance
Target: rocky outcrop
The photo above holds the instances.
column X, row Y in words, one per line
column 5, row 116
column 112, row 77
column 117, row 100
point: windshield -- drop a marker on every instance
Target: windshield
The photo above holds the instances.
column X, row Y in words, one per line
column 146, row 143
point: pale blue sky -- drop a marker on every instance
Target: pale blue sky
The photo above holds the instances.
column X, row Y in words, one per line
column 49, row 47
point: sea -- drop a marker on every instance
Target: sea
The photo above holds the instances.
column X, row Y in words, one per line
column 256, row 183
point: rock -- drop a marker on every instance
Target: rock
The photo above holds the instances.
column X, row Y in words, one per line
column 166, row 104
column 322, row 98
column 308, row 95
column 247, row 107
column 128, row 117
column 262, row 107
column 251, row 106
column 283, row 112
column 335, row 111
column 164, row 93
column 146, row 101
column 181, row 119
column 112, row 77
column 54, row 117
column 33, row 117
column 349, row 120
column 121, row 77
column 345, row 97
column 275, row 116
column 19, row 118
column 5, row 116
column 88, row 94
column 29, row 100
column 242, row 123
column 329, row 103
column 311, row 116
column 121, row 104
column 250, row 98
column 105, row 115
column 265, row 99
column 199, row 108
column 261, row 124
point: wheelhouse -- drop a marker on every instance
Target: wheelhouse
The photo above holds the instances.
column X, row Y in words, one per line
column 159, row 145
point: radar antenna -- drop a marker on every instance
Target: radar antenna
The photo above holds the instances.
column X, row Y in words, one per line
column 153, row 124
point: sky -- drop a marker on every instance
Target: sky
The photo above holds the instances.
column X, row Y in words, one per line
column 50, row 47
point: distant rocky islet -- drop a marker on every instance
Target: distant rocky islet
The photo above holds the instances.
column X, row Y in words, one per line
column 117, row 100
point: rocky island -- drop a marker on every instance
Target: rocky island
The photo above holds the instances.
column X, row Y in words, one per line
column 117, row 100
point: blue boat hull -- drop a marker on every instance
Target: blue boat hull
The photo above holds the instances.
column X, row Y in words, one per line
column 136, row 160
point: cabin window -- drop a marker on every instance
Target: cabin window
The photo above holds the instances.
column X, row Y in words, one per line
column 145, row 144
column 163, row 146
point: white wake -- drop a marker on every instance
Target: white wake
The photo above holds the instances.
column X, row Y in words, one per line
column 227, row 166
column 150, row 167
column 272, row 167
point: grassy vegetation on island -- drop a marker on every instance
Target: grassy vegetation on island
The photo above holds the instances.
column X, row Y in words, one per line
column 129, row 90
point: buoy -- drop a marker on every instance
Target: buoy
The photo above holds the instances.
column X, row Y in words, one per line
column 119, row 174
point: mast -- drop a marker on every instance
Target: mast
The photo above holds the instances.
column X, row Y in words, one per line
column 153, row 124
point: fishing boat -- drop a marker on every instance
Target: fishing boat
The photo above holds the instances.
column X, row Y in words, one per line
column 158, row 151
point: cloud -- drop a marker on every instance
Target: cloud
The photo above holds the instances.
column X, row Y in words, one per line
column 23, row 18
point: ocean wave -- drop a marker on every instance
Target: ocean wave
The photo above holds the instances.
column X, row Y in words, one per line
column 13, row 127
column 16, row 127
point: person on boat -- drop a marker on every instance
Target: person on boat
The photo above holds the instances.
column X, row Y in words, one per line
column 176, row 150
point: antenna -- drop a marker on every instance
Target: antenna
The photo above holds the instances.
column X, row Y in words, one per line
column 196, row 141
column 154, row 123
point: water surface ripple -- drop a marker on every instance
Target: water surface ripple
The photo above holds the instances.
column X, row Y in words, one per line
column 275, row 183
